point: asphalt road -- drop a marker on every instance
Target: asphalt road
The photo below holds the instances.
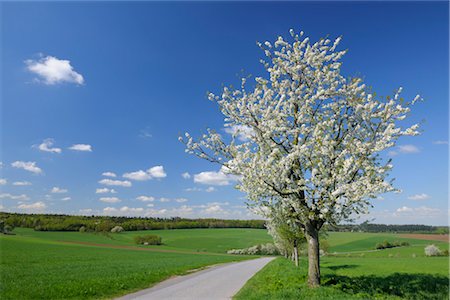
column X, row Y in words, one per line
column 215, row 283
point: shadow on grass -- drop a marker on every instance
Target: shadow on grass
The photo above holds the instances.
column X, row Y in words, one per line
column 339, row 267
column 407, row 286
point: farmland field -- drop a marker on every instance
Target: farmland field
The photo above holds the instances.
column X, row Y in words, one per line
column 55, row 265
column 94, row 265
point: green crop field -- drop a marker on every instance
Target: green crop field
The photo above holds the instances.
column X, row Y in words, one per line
column 43, row 265
column 57, row 265
column 357, row 271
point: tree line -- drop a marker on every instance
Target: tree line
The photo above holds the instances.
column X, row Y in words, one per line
column 56, row 222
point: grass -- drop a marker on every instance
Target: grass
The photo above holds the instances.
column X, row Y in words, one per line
column 57, row 265
column 396, row 273
column 196, row 240
column 352, row 278
column 36, row 265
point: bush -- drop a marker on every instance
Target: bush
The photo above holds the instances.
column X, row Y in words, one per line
column 117, row 229
column 264, row 249
column 432, row 250
column 82, row 229
column 149, row 239
column 386, row 245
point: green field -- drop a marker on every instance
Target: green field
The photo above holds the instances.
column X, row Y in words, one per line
column 51, row 268
column 56, row 265
column 355, row 273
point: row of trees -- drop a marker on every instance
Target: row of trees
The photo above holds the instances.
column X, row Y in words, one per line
column 369, row 227
column 49, row 222
column 307, row 141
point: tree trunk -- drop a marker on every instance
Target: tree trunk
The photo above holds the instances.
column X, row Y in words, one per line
column 296, row 255
column 312, row 235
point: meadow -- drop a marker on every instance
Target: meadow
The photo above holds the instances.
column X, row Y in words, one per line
column 74, row 265
column 355, row 270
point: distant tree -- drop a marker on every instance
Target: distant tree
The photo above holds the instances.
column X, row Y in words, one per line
column 307, row 137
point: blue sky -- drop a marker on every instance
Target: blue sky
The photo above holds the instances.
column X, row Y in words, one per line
column 89, row 88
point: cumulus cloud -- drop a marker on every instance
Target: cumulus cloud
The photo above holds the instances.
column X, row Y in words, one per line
column 157, row 172
column 154, row 172
column 419, row 197
column 52, row 70
column 66, row 199
column 109, row 174
column 110, row 199
column 186, row 175
column 404, row 209
column 22, row 183
column 242, row 132
column 210, row 189
column 181, row 200
column 405, row 149
column 37, row 206
column 163, row 199
column 123, row 211
column 215, row 178
column 145, row 198
column 138, row 176
column 46, row 146
column 197, row 189
column 29, row 166
column 58, row 190
column 81, row 147
column 105, row 191
column 110, row 182
column 21, row 197
column 3, row 181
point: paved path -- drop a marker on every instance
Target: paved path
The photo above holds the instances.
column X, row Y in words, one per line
column 215, row 283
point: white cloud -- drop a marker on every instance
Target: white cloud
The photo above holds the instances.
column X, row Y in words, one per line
column 150, row 205
column 109, row 209
column 157, row 172
column 123, row 211
column 164, row 199
column 37, row 206
column 58, row 190
column 21, row 197
column 181, row 200
column 145, row 133
column 1, row 207
column 110, row 199
column 440, row 142
column 52, row 70
column 110, row 182
column 81, row 147
column 210, row 189
column 186, row 175
column 405, row 149
column 404, row 209
column 3, row 181
column 46, row 146
column 154, row 172
column 419, row 197
column 105, row 191
column 21, row 183
column 86, row 210
column 131, row 209
column 138, row 176
column 66, row 199
column 242, row 132
column 145, row 198
column 29, row 166
column 109, row 174
column 215, row 178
